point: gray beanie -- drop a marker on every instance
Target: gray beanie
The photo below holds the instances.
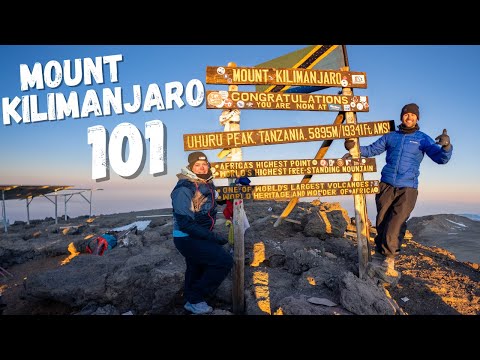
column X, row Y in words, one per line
column 411, row 108
column 196, row 156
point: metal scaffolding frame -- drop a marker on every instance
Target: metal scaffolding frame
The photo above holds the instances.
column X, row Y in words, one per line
column 29, row 192
column 68, row 196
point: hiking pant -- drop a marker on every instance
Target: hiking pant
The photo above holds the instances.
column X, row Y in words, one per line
column 208, row 264
column 394, row 206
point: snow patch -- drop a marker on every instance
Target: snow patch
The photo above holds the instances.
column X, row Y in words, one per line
column 459, row 224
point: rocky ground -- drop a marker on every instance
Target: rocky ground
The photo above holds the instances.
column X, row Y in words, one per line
column 308, row 266
column 434, row 283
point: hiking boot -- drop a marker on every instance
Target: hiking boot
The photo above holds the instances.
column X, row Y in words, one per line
column 378, row 258
column 198, row 308
column 389, row 264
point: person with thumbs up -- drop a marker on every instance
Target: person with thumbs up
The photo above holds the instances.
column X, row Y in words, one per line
column 398, row 193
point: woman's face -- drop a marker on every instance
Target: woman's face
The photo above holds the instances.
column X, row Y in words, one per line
column 200, row 167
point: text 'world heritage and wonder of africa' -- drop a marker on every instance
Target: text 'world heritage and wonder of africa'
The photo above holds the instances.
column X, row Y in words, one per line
column 288, row 191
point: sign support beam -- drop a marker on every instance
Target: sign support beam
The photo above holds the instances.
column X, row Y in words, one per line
column 238, row 273
column 361, row 217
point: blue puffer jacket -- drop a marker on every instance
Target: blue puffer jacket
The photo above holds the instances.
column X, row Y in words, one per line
column 404, row 154
column 194, row 207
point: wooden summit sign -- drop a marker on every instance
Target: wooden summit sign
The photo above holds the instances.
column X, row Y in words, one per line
column 285, row 101
column 235, row 139
column 232, row 169
column 272, row 76
column 288, row 191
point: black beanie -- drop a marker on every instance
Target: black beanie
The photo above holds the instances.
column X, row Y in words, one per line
column 196, row 156
column 410, row 108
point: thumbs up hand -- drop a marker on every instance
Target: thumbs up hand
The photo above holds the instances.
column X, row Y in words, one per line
column 443, row 140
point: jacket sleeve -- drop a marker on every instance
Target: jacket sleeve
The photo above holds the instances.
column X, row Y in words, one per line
column 218, row 198
column 183, row 212
column 375, row 148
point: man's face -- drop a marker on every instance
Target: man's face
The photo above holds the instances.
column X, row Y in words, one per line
column 200, row 167
column 409, row 120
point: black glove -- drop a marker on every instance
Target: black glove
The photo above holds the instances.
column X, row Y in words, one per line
column 221, row 239
column 444, row 140
column 349, row 144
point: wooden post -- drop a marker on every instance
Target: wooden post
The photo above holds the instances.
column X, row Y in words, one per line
column 238, row 272
column 361, row 218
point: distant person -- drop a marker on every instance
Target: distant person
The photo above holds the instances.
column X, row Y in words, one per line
column 405, row 149
column 194, row 217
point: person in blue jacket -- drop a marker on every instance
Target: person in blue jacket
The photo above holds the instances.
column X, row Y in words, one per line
column 194, row 215
column 398, row 193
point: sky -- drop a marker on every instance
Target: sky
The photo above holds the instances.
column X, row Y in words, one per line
column 441, row 79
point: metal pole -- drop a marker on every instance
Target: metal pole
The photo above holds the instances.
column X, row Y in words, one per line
column 65, row 198
column 28, row 211
column 90, row 203
column 4, row 212
column 56, row 212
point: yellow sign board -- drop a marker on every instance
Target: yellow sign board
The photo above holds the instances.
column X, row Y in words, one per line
column 273, row 136
column 285, row 101
column 288, row 191
column 273, row 76
column 254, row 168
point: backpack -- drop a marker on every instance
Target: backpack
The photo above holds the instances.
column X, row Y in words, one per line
column 98, row 245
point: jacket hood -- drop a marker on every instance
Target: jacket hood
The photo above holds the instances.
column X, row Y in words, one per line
column 186, row 173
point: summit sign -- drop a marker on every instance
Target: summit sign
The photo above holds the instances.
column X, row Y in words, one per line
column 272, row 136
column 272, row 76
column 285, row 101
